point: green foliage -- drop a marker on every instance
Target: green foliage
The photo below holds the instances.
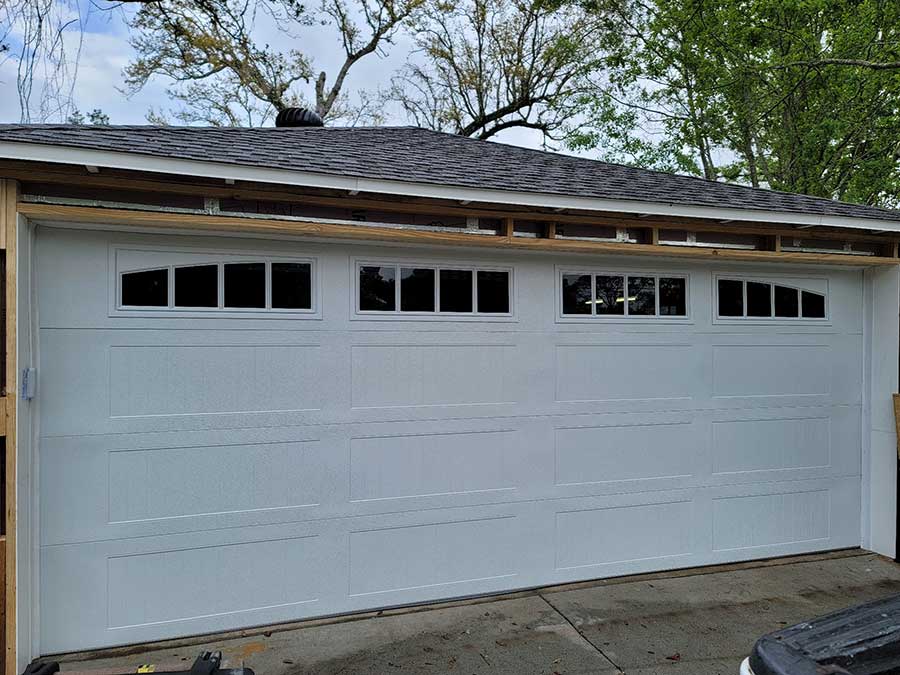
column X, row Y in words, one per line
column 95, row 116
column 752, row 91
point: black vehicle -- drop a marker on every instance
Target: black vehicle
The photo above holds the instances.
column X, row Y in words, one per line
column 861, row 640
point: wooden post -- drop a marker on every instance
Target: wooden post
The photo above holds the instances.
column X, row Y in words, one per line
column 9, row 192
column 551, row 230
column 508, row 227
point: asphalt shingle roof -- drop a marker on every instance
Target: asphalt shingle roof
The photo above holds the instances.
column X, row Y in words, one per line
column 417, row 155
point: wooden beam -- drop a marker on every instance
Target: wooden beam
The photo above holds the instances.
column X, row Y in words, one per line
column 8, row 204
column 551, row 230
column 123, row 180
column 4, row 212
column 509, row 227
column 224, row 223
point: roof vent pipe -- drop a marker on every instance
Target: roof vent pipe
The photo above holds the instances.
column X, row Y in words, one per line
column 298, row 117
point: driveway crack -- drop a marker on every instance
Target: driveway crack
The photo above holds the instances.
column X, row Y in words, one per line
column 583, row 636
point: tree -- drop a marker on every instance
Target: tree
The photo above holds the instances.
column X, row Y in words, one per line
column 96, row 117
column 491, row 65
column 44, row 38
column 749, row 91
column 224, row 75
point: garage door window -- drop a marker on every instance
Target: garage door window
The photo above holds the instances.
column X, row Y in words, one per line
column 248, row 285
column 197, row 286
column 746, row 299
column 429, row 289
column 147, row 288
column 622, row 295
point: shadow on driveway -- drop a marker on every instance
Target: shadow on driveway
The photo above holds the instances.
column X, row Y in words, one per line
column 692, row 622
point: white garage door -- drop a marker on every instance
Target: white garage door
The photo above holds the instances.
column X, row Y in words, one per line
column 373, row 426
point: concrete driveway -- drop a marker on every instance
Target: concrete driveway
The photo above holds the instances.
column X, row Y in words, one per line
column 691, row 622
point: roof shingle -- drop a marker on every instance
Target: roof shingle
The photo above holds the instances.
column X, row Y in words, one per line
column 415, row 155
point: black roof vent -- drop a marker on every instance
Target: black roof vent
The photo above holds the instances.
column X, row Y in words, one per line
column 298, row 117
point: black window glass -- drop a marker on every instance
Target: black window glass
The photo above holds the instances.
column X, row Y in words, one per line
column 197, row 286
column 610, row 298
column 576, row 294
column 493, row 292
column 787, row 302
column 642, row 296
column 759, row 299
column 416, row 290
column 456, row 290
column 291, row 286
column 672, row 296
column 813, row 305
column 146, row 289
column 245, row 285
column 376, row 289
column 731, row 297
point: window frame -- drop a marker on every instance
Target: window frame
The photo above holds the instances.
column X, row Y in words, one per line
column 594, row 272
column 437, row 315
column 772, row 282
column 208, row 257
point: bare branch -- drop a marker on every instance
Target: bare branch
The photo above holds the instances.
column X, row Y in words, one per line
column 855, row 63
column 485, row 66
column 214, row 44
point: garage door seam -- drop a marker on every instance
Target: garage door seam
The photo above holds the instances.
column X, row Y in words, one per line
column 582, row 635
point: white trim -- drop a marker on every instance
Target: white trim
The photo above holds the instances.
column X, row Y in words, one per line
column 234, row 172
column 879, row 439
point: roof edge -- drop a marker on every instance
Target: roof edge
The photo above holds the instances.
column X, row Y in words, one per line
column 37, row 152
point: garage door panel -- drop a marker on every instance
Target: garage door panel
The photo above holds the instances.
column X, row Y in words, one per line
column 616, row 534
column 787, row 443
column 148, row 588
column 779, row 517
column 786, row 370
column 163, row 380
column 407, row 375
column 609, row 453
column 414, row 556
column 772, row 370
column 429, row 464
column 424, row 555
column 625, row 371
column 186, row 381
column 103, row 487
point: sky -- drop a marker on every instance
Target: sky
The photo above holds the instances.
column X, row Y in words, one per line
column 105, row 51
